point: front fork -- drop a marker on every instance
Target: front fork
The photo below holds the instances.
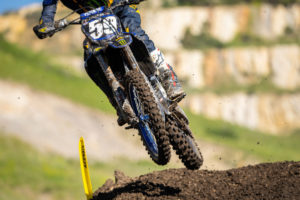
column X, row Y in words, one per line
column 119, row 96
column 129, row 57
column 124, row 109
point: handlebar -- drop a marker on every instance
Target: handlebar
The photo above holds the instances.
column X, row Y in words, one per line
column 61, row 24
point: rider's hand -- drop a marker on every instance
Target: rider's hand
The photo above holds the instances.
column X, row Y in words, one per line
column 44, row 30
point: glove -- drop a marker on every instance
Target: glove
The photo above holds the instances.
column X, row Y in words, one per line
column 44, row 30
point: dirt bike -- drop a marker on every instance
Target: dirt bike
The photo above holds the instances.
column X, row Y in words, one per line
column 136, row 88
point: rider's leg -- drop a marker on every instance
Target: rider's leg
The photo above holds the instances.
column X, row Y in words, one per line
column 131, row 21
column 167, row 76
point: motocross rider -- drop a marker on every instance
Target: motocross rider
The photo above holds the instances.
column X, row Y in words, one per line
column 131, row 20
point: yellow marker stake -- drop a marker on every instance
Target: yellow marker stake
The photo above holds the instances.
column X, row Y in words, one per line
column 85, row 170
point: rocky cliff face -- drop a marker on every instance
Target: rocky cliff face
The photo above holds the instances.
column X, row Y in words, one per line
column 276, row 114
column 168, row 26
column 243, row 65
column 279, row 64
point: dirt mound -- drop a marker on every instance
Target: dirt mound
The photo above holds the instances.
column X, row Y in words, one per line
column 264, row 181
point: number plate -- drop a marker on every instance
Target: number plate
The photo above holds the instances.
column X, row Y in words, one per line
column 103, row 27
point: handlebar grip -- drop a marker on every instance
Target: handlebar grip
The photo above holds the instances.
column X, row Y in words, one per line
column 61, row 24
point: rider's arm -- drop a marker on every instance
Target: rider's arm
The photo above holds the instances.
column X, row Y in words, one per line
column 46, row 26
column 49, row 10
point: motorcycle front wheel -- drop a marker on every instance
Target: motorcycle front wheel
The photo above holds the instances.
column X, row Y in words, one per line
column 151, row 124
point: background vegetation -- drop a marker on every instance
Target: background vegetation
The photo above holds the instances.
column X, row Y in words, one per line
column 206, row 41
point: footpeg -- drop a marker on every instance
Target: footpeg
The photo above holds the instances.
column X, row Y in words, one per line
column 179, row 97
column 131, row 127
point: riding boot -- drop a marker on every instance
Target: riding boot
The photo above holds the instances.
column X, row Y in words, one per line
column 167, row 76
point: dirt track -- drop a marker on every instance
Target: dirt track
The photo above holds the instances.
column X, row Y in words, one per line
column 263, row 181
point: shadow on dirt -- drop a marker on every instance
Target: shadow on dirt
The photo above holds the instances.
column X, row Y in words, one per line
column 148, row 189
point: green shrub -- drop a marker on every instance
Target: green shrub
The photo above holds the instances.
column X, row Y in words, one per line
column 205, row 40
column 202, row 41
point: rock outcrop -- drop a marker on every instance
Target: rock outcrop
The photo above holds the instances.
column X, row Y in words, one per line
column 243, row 65
column 167, row 26
column 276, row 114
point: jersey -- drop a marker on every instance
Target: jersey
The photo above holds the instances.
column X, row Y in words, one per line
column 129, row 15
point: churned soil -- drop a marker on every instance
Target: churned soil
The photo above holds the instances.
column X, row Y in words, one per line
column 264, row 181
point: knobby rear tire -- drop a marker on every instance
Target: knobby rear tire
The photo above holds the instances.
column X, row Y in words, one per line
column 156, row 120
column 184, row 145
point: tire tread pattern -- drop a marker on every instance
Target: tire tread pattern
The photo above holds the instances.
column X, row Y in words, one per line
column 180, row 144
column 157, row 123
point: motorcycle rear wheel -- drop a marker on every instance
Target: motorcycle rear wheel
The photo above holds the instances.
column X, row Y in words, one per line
column 185, row 145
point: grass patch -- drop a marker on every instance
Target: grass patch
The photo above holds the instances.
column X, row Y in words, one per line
column 37, row 70
column 266, row 147
column 27, row 174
